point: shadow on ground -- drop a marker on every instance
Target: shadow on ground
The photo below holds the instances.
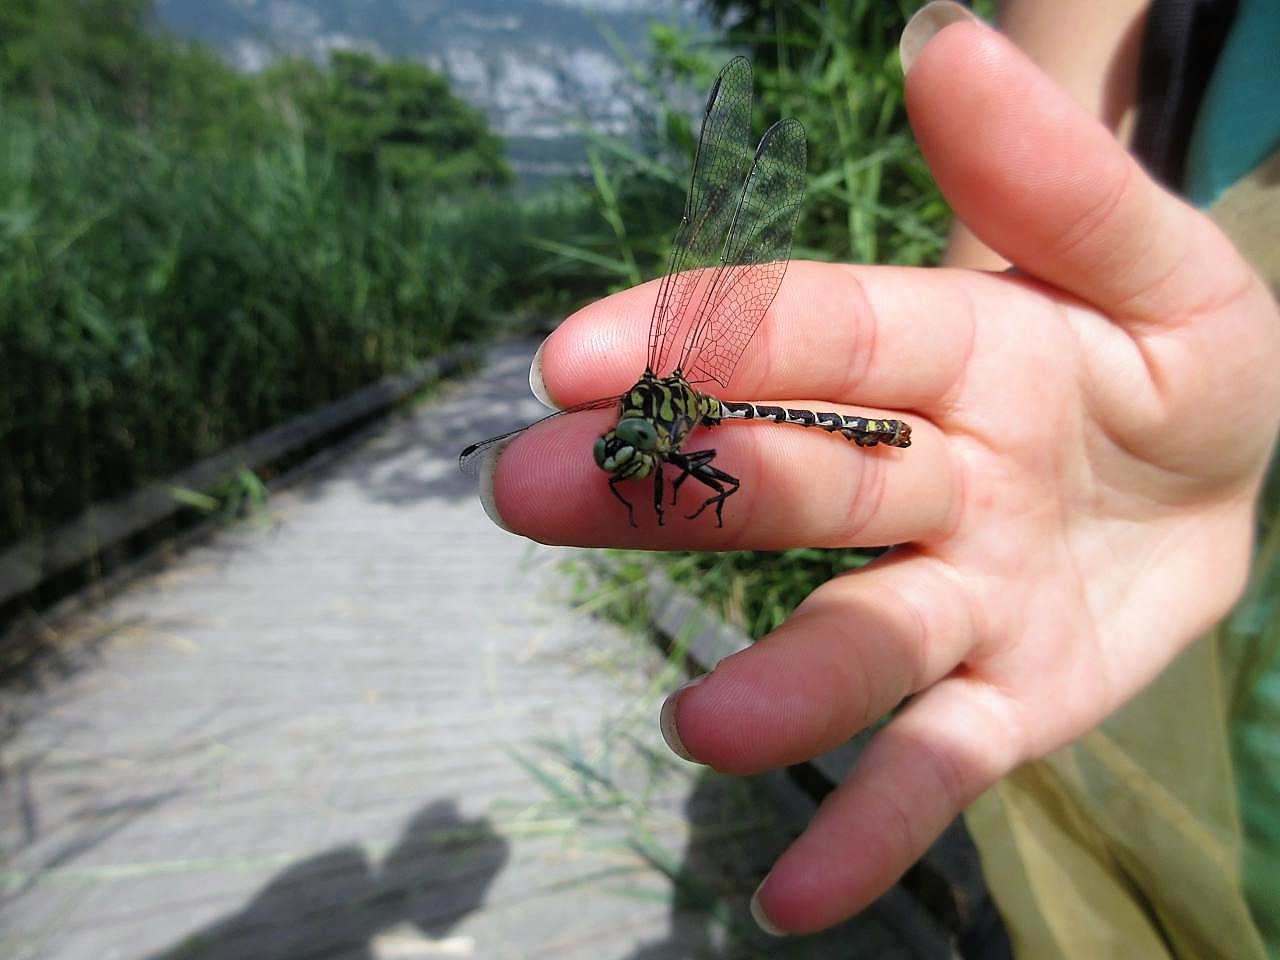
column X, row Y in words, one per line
column 338, row 902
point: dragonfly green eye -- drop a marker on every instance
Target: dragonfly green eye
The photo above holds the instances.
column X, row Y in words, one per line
column 638, row 433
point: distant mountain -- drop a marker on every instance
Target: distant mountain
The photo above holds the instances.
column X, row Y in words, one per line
column 536, row 67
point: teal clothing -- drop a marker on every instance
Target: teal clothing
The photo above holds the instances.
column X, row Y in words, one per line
column 1238, row 125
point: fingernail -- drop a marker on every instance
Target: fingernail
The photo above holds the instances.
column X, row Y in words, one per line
column 667, row 720
column 927, row 22
column 536, row 383
column 758, row 914
column 488, row 467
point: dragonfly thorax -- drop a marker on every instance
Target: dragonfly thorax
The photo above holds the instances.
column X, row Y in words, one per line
column 654, row 418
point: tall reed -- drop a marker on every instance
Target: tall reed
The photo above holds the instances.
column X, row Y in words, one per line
column 160, row 299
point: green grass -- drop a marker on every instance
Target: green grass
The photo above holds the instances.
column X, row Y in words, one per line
column 189, row 255
column 834, row 66
column 754, row 591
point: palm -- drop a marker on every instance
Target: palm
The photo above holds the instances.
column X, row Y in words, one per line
column 1081, row 450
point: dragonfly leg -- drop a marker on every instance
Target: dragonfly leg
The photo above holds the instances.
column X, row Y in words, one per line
column 613, row 488
column 698, row 466
column 686, row 464
column 657, row 492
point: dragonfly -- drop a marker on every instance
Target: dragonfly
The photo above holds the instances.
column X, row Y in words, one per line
column 727, row 261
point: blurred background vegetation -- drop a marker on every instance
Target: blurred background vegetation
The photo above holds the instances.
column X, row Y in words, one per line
column 190, row 254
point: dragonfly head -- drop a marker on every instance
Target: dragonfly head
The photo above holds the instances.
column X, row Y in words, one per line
column 628, row 449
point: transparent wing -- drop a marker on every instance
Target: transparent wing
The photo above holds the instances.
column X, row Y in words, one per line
column 722, row 160
column 736, row 294
column 471, row 458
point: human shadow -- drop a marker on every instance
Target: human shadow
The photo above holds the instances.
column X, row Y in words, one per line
column 338, row 902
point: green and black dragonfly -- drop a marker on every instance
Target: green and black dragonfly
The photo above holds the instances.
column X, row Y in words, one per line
column 727, row 262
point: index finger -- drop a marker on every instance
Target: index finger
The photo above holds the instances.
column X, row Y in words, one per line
column 891, row 337
column 1048, row 187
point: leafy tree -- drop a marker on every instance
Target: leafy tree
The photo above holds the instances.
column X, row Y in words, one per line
column 394, row 118
column 110, row 58
column 75, row 51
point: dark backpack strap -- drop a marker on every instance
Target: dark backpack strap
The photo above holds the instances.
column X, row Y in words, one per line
column 1180, row 48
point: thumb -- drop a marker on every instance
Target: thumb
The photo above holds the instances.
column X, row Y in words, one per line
column 1046, row 186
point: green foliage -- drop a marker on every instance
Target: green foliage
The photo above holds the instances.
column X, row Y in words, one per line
column 185, row 258
column 397, row 120
column 620, row 235
column 92, row 52
column 753, row 590
column 834, row 66
column 102, row 58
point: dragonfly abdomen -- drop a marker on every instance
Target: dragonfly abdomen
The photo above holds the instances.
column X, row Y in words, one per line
column 864, row 431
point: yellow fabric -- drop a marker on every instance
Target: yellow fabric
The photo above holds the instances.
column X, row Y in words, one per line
column 1127, row 843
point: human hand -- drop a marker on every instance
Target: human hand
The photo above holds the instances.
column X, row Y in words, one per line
column 1089, row 436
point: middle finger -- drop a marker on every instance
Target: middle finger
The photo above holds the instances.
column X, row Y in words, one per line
column 799, row 487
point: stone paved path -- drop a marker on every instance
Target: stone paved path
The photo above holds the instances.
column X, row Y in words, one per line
column 368, row 725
